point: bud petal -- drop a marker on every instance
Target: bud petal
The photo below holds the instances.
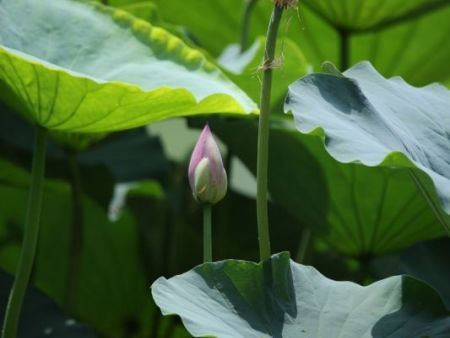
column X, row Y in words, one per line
column 207, row 176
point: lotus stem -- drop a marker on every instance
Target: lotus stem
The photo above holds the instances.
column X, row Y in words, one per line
column 263, row 134
column 303, row 247
column 207, row 233
column 344, row 49
column 246, row 16
column 429, row 200
column 77, row 231
column 31, row 234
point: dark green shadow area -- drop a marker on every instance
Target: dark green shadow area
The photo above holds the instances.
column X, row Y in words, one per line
column 422, row 314
column 263, row 299
column 296, row 180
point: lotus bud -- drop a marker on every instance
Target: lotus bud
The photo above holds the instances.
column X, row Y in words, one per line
column 207, row 176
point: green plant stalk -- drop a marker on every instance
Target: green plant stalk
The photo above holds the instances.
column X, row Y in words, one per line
column 77, row 232
column 429, row 200
column 263, row 135
column 344, row 50
column 31, row 234
column 207, row 234
column 246, row 16
column 303, row 247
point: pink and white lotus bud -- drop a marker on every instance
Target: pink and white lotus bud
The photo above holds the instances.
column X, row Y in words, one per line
column 207, row 175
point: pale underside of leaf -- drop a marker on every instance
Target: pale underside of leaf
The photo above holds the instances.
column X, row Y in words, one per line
column 368, row 119
column 280, row 298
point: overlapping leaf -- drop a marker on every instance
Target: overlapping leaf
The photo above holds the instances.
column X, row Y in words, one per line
column 279, row 298
column 427, row 261
column 402, row 39
column 357, row 15
column 105, row 297
column 359, row 210
column 83, row 67
column 378, row 122
column 245, row 68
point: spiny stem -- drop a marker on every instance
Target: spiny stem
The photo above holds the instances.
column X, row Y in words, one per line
column 31, row 234
column 246, row 16
column 207, row 234
column 263, row 134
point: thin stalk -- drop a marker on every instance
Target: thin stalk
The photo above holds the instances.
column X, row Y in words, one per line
column 434, row 208
column 303, row 247
column 31, row 234
column 363, row 272
column 77, row 231
column 344, row 49
column 207, row 234
column 246, row 16
column 263, row 134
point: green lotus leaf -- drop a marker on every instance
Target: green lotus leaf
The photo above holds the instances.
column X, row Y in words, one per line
column 405, row 41
column 355, row 15
column 359, row 210
column 280, row 298
column 105, row 301
column 427, row 261
column 365, row 118
column 245, row 68
column 80, row 67
column 422, row 55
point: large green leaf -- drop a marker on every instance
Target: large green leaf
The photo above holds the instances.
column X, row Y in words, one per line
column 402, row 39
column 280, row 298
column 413, row 49
column 111, row 279
column 427, row 261
column 308, row 32
column 84, row 67
column 359, row 210
column 356, row 15
column 380, row 122
column 245, row 68
column 40, row 316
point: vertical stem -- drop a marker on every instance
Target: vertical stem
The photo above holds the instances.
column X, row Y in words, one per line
column 263, row 134
column 77, row 232
column 246, row 16
column 303, row 247
column 207, row 234
column 429, row 200
column 344, row 50
column 364, row 269
column 31, row 234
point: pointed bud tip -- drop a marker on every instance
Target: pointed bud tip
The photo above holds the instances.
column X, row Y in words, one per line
column 207, row 176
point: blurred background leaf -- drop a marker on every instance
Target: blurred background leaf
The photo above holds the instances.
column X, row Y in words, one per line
column 399, row 38
column 41, row 317
column 139, row 219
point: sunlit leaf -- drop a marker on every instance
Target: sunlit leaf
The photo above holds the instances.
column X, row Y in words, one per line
column 404, row 42
column 368, row 119
column 280, row 298
column 85, row 67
